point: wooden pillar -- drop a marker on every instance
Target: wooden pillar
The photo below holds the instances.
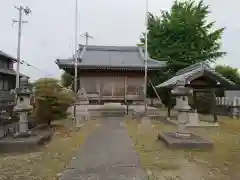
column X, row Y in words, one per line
column 113, row 86
column 99, row 91
column 214, row 106
column 194, row 99
column 125, row 89
column 169, row 102
column 79, row 83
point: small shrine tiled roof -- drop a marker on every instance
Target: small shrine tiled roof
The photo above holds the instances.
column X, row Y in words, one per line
column 193, row 72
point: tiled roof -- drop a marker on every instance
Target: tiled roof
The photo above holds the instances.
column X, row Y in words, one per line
column 193, row 72
column 7, row 56
column 11, row 72
column 7, row 71
column 111, row 57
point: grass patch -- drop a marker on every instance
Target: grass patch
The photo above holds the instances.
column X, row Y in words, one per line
column 50, row 160
column 153, row 155
column 222, row 162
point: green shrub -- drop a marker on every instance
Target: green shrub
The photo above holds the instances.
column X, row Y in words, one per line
column 52, row 101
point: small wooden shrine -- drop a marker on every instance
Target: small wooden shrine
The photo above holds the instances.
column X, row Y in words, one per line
column 205, row 82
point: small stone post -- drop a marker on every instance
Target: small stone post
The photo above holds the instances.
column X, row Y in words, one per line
column 235, row 109
column 82, row 110
column 23, row 106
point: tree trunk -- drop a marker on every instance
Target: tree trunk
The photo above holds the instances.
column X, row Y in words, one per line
column 43, row 112
column 169, row 103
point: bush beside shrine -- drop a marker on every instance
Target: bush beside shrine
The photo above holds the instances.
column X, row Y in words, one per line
column 52, row 101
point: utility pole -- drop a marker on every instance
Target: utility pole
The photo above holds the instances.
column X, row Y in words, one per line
column 76, row 57
column 27, row 11
column 146, row 60
column 79, row 55
column 87, row 37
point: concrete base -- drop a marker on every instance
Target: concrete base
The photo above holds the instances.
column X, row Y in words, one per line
column 79, row 125
column 2, row 133
column 24, row 134
column 146, row 121
column 192, row 142
column 10, row 144
column 82, row 103
column 169, row 121
column 145, row 124
column 203, row 124
column 190, row 125
column 113, row 106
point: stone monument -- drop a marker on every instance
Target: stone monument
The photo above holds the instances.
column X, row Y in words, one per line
column 139, row 111
column 23, row 107
column 193, row 119
column 182, row 138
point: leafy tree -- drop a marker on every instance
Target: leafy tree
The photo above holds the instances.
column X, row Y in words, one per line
column 66, row 79
column 182, row 36
column 229, row 73
column 52, row 100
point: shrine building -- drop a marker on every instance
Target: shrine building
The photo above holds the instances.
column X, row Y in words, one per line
column 111, row 73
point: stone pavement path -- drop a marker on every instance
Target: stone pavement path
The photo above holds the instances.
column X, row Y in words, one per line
column 108, row 154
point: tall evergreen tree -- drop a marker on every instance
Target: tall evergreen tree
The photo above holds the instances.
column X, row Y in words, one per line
column 66, row 79
column 182, row 36
column 229, row 73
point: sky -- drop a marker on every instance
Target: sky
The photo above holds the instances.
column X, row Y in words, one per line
column 49, row 33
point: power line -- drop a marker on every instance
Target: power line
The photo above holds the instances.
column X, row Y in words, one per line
column 46, row 73
column 35, row 67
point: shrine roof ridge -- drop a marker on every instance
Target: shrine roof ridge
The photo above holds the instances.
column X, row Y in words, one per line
column 110, row 48
column 111, row 56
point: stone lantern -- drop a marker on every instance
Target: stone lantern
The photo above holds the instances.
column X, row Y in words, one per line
column 181, row 92
column 23, row 106
column 182, row 138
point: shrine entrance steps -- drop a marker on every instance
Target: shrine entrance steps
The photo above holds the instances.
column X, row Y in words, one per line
column 116, row 110
column 113, row 113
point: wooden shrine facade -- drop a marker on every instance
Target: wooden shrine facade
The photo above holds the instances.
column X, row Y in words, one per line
column 113, row 86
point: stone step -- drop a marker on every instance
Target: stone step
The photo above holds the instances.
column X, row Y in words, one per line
column 154, row 113
column 98, row 113
column 150, row 112
column 113, row 113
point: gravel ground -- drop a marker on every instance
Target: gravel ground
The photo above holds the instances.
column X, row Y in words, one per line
column 222, row 163
column 51, row 160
